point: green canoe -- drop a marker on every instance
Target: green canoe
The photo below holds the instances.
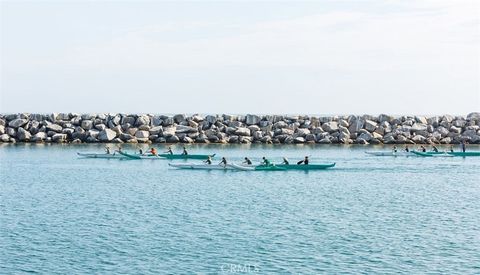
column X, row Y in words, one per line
column 306, row 167
column 447, row 154
column 465, row 154
column 269, row 168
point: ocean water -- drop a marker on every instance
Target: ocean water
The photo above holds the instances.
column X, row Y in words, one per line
column 60, row 214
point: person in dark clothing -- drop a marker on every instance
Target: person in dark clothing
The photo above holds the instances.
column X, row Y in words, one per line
column 451, row 148
column 304, row 161
column 224, row 162
column 406, row 148
column 107, row 149
column 247, row 161
column 434, row 148
column 169, row 151
column 266, row 162
column 423, row 149
column 285, row 161
column 464, row 146
column 394, row 149
column 209, row 160
column 184, row 151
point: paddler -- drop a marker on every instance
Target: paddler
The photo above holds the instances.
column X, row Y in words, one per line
column 169, row 151
column 394, row 149
column 119, row 148
column 107, row 150
column 266, row 162
column 423, row 149
column 184, row 151
column 247, row 161
column 153, row 151
column 209, row 160
column 463, row 145
column 406, row 148
column 434, row 148
column 304, row 161
column 224, row 161
column 285, row 161
column 451, row 148
column 140, row 151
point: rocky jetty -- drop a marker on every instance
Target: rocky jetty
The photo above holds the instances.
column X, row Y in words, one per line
column 149, row 128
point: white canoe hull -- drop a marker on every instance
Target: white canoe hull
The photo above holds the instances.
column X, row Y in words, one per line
column 199, row 166
column 389, row 153
column 100, row 156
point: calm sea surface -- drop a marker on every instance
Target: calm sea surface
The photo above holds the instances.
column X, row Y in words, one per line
column 67, row 215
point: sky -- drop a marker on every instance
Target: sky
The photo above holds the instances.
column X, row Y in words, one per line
column 324, row 57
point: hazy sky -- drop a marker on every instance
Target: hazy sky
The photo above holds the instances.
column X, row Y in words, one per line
column 322, row 57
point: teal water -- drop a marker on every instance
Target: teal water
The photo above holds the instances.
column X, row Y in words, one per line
column 63, row 215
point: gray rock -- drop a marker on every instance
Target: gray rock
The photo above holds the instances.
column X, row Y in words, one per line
column 11, row 132
column 23, row 135
column 157, row 130
column 17, row 122
column 128, row 119
column 169, row 131
column 299, row 140
column 59, row 138
column 54, row 127
column 179, row 118
column 4, row 138
column 252, row 119
column 142, row 134
column 418, row 139
column 301, row 132
column 365, row 136
column 40, row 136
column 330, row 126
column 100, row 127
column 474, row 116
column 455, row 130
column 242, row 131
column 107, row 135
column 168, row 121
column 2, row 129
column 142, row 120
column 2, row 122
column 87, row 124
column 417, row 127
column 185, row 129
column 370, row 125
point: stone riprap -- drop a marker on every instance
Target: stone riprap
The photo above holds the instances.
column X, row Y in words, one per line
column 146, row 128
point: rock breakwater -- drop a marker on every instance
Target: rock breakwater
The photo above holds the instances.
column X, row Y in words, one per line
column 148, row 128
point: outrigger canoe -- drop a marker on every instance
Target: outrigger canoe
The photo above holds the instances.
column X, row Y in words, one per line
column 279, row 167
column 447, row 154
column 166, row 156
column 388, row 153
column 101, row 155
column 306, row 167
column 199, row 166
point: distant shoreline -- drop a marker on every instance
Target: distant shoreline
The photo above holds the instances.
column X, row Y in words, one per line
column 239, row 129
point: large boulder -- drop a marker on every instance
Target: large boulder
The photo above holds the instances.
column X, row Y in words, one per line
column 418, row 127
column 370, row 125
column 17, row 122
column 2, row 129
column 87, row 124
column 181, row 129
column 157, row 130
column 302, row 132
column 142, row 134
column 179, row 118
column 169, row 131
column 54, row 127
column 330, row 127
column 23, row 135
column 252, row 119
column 40, row 136
column 59, row 137
column 4, row 138
column 474, row 116
column 142, row 120
column 242, row 131
column 107, row 135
